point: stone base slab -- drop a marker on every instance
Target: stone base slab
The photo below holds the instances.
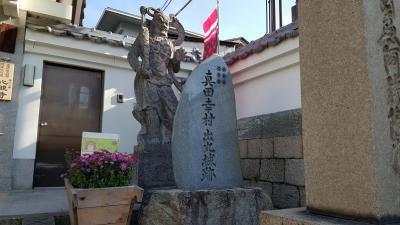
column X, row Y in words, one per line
column 238, row 206
column 300, row 216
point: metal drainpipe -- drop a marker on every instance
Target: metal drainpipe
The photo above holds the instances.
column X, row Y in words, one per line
column 273, row 15
column 295, row 12
column 280, row 14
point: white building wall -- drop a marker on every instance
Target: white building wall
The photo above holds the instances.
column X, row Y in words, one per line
column 269, row 81
column 117, row 117
column 190, row 45
column 61, row 11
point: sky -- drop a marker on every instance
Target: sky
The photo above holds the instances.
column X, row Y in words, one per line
column 238, row 18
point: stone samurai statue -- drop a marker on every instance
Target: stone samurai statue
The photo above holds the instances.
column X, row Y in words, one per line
column 154, row 59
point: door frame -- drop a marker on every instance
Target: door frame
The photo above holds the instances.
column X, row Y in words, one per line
column 65, row 65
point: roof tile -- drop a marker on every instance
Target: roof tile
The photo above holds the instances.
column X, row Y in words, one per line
column 268, row 40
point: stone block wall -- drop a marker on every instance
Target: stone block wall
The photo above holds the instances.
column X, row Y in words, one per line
column 271, row 152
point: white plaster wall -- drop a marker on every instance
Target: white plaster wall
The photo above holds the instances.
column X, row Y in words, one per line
column 26, row 130
column 190, row 45
column 269, row 81
column 117, row 117
column 119, row 77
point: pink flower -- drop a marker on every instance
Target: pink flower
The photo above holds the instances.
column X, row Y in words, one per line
column 123, row 166
column 131, row 159
column 99, row 163
column 84, row 160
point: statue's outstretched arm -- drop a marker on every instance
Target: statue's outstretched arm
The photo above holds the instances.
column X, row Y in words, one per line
column 179, row 55
column 175, row 65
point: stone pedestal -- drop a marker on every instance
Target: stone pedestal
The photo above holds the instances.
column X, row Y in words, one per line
column 238, row 206
column 349, row 54
column 155, row 166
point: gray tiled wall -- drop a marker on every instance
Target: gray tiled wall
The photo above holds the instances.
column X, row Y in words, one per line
column 271, row 152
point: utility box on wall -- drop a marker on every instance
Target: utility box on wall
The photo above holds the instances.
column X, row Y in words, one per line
column 10, row 8
column 29, row 75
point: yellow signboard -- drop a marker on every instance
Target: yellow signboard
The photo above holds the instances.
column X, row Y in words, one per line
column 92, row 142
column 6, row 80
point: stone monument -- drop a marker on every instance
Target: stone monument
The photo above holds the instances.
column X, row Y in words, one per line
column 350, row 77
column 154, row 59
column 205, row 148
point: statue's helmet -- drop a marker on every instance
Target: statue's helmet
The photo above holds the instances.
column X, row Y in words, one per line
column 160, row 23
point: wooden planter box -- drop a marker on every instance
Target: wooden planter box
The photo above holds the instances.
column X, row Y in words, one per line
column 100, row 206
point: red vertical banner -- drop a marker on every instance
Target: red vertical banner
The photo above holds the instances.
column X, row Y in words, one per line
column 210, row 27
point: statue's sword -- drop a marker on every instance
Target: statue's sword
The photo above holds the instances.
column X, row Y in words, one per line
column 187, row 3
column 177, row 84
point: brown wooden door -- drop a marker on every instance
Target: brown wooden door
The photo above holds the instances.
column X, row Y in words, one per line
column 71, row 103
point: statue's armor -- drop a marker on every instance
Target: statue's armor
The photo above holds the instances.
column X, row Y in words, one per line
column 160, row 53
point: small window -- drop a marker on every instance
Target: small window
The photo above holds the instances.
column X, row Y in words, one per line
column 84, row 98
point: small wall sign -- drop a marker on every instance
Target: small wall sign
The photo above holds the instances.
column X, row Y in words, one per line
column 6, row 80
column 92, row 142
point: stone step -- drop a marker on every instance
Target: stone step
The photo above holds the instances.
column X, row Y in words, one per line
column 39, row 219
column 34, row 207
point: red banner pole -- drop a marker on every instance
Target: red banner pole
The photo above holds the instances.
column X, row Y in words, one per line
column 218, row 26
